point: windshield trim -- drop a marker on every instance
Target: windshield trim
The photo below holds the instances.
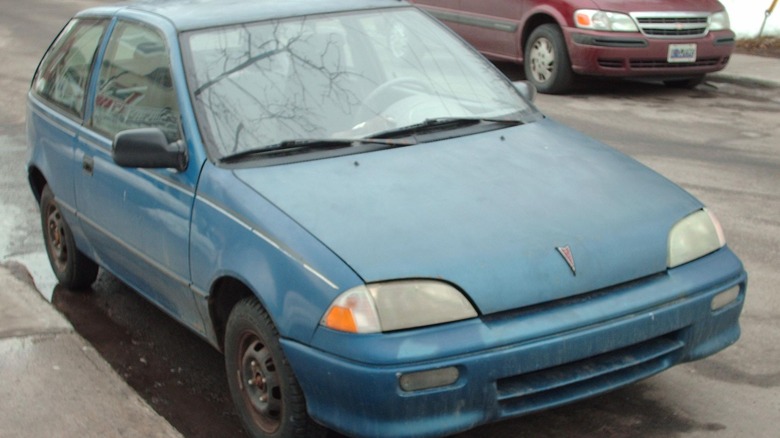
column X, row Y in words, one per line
column 269, row 160
column 292, row 147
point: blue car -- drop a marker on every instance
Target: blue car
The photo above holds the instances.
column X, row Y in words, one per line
column 381, row 232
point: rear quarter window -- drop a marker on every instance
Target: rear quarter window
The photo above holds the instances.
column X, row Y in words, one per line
column 63, row 74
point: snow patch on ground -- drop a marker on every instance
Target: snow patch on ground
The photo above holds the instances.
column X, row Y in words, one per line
column 37, row 265
column 9, row 220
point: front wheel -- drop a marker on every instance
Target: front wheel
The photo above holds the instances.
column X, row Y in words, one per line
column 73, row 269
column 547, row 64
column 265, row 392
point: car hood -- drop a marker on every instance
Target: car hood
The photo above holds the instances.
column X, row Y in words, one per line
column 659, row 5
column 486, row 213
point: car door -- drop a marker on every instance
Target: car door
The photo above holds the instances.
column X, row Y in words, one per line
column 447, row 11
column 492, row 26
column 137, row 220
column 56, row 108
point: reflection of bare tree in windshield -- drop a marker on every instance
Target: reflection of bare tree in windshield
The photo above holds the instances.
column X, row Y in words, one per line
column 336, row 77
column 286, row 83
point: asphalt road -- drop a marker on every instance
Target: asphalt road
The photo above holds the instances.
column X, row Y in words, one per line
column 721, row 142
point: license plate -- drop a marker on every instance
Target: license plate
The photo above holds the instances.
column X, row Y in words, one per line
column 682, row 53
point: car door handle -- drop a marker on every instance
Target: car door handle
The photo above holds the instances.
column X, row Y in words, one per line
column 88, row 164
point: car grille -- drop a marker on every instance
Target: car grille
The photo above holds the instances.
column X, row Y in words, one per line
column 649, row 64
column 664, row 25
column 611, row 63
column 639, row 64
column 554, row 386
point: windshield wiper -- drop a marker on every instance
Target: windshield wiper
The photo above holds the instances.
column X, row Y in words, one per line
column 289, row 147
column 442, row 124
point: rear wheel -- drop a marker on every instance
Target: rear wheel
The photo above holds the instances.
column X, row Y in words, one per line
column 266, row 394
column 547, row 64
column 73, row 269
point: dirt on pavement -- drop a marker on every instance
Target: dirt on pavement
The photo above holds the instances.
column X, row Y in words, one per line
column 764, row 46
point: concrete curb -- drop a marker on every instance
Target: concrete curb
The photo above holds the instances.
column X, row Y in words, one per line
column 750, row 71
column 742, row 80
column 54, row 383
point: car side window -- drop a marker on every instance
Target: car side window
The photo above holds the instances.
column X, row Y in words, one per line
column 135, row 88
column 64, row 72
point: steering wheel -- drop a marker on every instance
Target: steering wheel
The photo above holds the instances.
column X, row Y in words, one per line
column 375, row 97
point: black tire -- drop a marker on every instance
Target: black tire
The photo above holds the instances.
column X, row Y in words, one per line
column 546, row 61
column 73, row 269
column 265, row 392
column 688, row 83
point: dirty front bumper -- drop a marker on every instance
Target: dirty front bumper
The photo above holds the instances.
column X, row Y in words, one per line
column 524, row 361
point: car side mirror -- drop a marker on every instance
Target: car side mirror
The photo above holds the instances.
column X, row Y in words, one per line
column 148, row 148
column 526, row 89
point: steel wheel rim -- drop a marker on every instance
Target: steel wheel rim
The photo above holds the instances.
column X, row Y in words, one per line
column 55, row 238
column 542, row 59
column 259, row 382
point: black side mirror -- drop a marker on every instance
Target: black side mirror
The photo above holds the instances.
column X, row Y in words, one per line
column 148, row 148
column 526, row 89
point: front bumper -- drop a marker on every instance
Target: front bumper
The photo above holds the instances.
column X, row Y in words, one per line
column 635, row 55
column 520, row 362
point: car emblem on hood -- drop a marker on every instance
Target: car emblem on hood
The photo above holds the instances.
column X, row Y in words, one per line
column 565, row 251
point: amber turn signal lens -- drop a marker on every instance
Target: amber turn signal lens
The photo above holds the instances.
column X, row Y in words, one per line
column 340, row 318
column 583, row 20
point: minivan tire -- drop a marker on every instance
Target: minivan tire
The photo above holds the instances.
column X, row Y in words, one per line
column 546, row 62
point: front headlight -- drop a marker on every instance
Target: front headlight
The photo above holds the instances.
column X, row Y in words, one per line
column 720, row 21
column 603, row 20
column 695, row 236
column 397, row 305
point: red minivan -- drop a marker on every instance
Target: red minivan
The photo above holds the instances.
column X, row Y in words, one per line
column 677, row 41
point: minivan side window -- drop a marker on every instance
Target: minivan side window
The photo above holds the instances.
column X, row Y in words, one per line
column 63, row 74
column 135, row 88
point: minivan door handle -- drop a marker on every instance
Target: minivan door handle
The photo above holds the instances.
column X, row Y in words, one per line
column 88, row 164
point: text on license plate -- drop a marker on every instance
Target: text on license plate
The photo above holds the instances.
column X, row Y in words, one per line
column 682, row 53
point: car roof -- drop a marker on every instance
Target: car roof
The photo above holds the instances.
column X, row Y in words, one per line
column 198, row 14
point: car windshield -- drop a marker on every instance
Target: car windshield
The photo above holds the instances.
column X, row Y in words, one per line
column 340, row 76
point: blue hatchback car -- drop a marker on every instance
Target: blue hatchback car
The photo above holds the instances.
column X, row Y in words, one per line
column 380, row 231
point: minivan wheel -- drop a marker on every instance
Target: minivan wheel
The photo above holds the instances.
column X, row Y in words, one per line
column 73, row 269
column 265, row 392
column 546, row 63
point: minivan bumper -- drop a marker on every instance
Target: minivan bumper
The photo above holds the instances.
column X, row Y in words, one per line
column 634, row 55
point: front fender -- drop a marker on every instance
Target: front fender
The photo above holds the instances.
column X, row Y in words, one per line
column 239, row 234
